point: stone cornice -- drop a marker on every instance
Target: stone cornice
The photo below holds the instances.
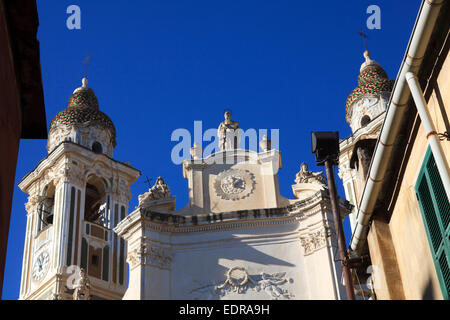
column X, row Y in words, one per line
column 68, row 147
column 236, row 156
column 165, row 222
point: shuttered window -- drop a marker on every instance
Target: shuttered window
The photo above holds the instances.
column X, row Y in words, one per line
column 435, row 208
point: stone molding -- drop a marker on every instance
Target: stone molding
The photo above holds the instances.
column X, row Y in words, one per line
column 232, row 157
column 257, row 218
column 62, row 157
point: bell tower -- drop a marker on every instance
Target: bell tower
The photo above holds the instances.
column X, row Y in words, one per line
column 365, row 110
column 77, row 195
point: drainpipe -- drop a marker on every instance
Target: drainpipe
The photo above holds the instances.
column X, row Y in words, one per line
column 430, row 130
column 398, row 104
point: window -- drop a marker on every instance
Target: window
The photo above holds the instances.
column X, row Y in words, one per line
column 46, row 207
column 435, row 209
column 95, row 208
column 97, row 147
column 365, row 121
column 94, row 260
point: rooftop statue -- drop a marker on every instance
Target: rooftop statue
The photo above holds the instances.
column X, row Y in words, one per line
column 306, row 176
column 159, row 191
column 228, row 133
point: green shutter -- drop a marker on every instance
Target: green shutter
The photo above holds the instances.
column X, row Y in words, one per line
column 441, row 197
column 435, row 208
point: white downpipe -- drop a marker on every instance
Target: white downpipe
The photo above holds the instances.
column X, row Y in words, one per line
column 430, row 130
column 398, row 104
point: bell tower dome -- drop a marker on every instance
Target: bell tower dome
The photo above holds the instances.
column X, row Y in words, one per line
column 83, row 123
column 369, row 99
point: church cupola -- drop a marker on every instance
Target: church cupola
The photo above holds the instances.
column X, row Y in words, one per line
column 83, row 123
column 368, row 100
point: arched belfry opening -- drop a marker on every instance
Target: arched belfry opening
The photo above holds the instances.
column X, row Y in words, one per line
column 95, row 201
column 46, row 207
column 97, row 147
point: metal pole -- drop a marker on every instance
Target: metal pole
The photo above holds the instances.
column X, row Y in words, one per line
column 430, row 130
column 339, row 230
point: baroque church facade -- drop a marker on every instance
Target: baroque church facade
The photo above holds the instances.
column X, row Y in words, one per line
column 237, row 238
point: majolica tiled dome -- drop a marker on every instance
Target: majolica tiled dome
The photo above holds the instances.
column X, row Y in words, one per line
column 83, row 109
column 372, row 80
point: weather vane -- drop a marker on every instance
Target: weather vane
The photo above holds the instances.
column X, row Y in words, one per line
column 364, row 37
column 85, row 62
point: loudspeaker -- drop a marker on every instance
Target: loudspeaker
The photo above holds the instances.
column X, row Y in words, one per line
column 325, row 146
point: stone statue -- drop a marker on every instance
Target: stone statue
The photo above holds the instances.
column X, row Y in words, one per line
column 82, row 288
column 228, row 133
column 159, row 191
column 196, row 151
column 306, row 176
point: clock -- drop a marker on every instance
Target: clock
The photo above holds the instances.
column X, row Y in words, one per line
column 234, row 184
column 40, row 266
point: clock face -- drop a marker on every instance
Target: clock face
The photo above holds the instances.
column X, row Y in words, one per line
column 234, row 184
column 40, row 266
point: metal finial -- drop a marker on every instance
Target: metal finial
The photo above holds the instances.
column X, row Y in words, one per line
column 85, row 62
column 364, row 37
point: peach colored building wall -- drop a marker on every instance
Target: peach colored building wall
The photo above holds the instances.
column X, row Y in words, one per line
column 415, row 266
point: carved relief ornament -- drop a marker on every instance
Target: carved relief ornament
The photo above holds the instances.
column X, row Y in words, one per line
column 234, row 184
column 239, row 281
column 314, row 241
column 150, row 255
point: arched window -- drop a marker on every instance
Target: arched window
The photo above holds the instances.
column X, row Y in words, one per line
column 97, row 147
column 95, row 201
column 46, row 207
column 365, row 121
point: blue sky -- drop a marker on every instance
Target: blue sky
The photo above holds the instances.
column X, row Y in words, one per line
column 157, row 66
